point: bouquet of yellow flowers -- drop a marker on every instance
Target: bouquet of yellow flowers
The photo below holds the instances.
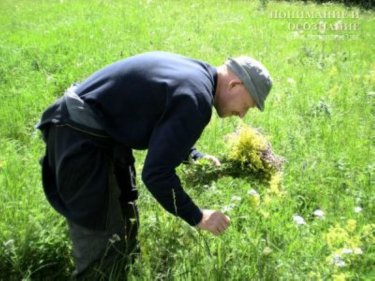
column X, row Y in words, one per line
column 248, row 154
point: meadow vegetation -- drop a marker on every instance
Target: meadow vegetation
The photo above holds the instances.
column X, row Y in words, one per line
column 314, row 221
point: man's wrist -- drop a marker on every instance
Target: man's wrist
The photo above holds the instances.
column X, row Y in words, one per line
column 196, row 218
column 195, row 155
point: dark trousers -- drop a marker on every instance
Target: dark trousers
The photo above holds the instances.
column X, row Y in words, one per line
column 90, row 180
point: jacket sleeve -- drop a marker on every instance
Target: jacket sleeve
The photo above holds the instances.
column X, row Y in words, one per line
column 194, row 155
column 171, row 140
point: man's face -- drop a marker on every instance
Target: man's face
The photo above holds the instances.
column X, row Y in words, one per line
column 234, row 101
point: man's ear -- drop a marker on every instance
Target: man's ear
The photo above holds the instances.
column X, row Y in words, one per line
column 234, row 82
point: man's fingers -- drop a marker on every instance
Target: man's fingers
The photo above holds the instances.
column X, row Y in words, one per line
column 222, row 229
column 214, row 221
column 227, row 219
column 213, row 159
column 223, row 225
column 224, row 218
column 223, row 222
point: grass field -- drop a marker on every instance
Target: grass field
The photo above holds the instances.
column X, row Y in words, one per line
column 319, row 116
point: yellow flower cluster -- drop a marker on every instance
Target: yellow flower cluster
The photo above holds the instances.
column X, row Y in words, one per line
column 336, row 237
column 276, row 184
column 248, row 154
column 254, row 198
column 351, row 225
column 335, row 277
column 246, row 146
column 252, row 152
column 346, row 242
column 370, row 77
column 339, row 277
column 333, row 71
column 368, row 233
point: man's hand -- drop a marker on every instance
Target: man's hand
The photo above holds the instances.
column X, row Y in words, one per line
column 214, row 221
column 214, row 160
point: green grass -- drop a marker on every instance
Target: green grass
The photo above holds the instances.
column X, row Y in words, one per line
column 319, row 116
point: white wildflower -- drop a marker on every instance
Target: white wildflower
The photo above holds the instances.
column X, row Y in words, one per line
column 291, row 81
column 236, row 198
column 267, row 251
column 319, row 214
column 338, row 261
column 358, row 251
column 299, row 220
column 115, row 238
column 346, row 251
column 228, row 208
column 253, row 192
column 357, row 209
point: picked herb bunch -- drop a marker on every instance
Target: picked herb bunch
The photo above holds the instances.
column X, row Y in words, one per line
column 248, row 154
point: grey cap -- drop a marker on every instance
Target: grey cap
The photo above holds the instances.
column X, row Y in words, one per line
column 255, row 77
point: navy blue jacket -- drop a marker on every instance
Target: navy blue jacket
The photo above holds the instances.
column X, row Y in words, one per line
column 157, row 101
